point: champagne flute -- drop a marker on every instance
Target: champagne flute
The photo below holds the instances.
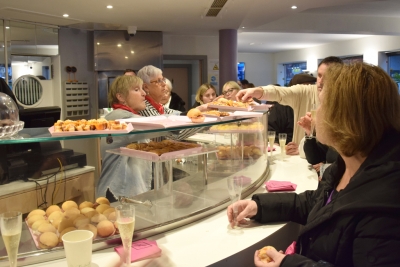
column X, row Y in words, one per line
column 313, row 117
column 271, row 139
column 235, row 192
column 126, row 226
column 11, row 227
column 282, row 143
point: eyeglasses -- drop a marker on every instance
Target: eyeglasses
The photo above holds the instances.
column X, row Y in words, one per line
column 229, row 91
column 159, row 81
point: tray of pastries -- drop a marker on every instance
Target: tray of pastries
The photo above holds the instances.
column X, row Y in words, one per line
column 238, row 127
column 48, row 226
column 235, row 152
column 88, row 127
column 164, row 150
column 229, row 105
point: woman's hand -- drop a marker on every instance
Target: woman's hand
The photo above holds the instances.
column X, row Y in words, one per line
column 203, row 107
column 292, row 149
column 305, row 123
column 247, row 94
column 276, row 257
column 245, row 209
column 317, row 166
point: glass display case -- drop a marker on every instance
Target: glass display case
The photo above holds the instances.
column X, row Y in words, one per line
column 187, row 185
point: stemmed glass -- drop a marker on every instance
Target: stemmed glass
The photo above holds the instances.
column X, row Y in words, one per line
column 282, row 143
column 313, row 117
column 11, row 227
column 235, row 185
column 126, row 226
column 271, row 139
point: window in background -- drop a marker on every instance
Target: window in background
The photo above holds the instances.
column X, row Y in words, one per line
column 241, row 71
column 394, row 67
column 292, row 69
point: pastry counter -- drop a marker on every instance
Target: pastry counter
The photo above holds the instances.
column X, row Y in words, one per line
column 209, row 241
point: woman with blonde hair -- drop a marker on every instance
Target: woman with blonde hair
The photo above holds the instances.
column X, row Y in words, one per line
column 352, row 219
column 205, row 94
column 230, row 89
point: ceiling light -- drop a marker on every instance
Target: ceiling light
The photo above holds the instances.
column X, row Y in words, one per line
column 98, row 43
column 251, row 43
column 119, row 45
column 66, row 15
column 294, row 7
column 132, row 52
column 109, row 6
column 7, row 27
column 126, row 57
column 243, row 27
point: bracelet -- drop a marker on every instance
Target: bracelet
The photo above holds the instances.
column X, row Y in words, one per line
column 262, row 93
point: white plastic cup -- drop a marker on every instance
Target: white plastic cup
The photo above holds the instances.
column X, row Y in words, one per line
column 78, row 248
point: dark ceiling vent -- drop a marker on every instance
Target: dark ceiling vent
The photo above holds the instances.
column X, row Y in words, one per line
column 215, row 8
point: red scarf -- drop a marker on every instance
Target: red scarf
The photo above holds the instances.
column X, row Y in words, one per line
column 157, row 106
column 120, row 106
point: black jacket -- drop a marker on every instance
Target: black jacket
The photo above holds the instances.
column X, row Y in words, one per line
column 177, row 103
column 281, row 120
column 360, row 227
column 317, row 152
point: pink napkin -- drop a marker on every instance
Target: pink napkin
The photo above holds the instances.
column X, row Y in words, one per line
column 245, row 180
column 141, row 250
column 273, row 186
column 269, row 149
column 291, row 249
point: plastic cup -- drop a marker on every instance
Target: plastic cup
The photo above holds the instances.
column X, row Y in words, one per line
column 78, row 248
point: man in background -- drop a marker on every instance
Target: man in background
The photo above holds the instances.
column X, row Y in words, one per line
column 130, row 72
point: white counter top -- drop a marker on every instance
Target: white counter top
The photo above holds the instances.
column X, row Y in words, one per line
column 209, row 240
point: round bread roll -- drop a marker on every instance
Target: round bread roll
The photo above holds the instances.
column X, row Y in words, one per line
column 90, row 214
column 85, row 204
column 65, row 223
column 262, row 254
column 52, row 209
column 89, row 227
column 102, row 200
column 79, row 221
column 105, row 228
column 48, row 240
column 36, row 212
column 71, row 213
column 112, row 216
column 98, row 218
column 102, row 207
column 116, row 227
column 66, row 230
column 87, row 209
column 36, row 224
column 56, row 222
column 69, row 204
column 108, row 211
column 58, row 214
column 34, row 218
column 47, row 228
column 195, row 115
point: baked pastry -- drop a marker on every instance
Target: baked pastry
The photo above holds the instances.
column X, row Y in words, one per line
column 85, row 204
column 36, row 212
column 43, row 228
column 105, row 228
column 55, row 215
column 98, row 218
column 66, row 230
column 102, row 200
column 34, row 218
column 91, row 228
column 72, row 213
column 262, row 254
column 48, row 240
column 36, row 224
column 69, row 204
column 52, row 209
column 102, row 207
column 195, row 115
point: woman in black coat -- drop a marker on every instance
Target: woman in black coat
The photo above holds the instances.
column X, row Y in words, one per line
column 353, row 218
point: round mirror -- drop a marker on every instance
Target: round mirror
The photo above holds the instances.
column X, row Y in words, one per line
column 28, row 90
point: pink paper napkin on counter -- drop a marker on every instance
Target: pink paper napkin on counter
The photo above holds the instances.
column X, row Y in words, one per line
column 141, row 250
column 273, row 186
column 269, row 149
column 245, row 180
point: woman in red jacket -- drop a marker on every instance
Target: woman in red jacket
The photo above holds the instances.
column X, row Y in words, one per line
column 352, row 219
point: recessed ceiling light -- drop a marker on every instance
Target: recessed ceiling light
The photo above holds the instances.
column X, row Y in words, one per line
column 7, row 27
column 109, row 6
column 126, row 57
column 294, row 7
column 243, row 27
column 251, row 43
column 66, row 15
column 119, row 45
column 132, row 52
column 98, row 43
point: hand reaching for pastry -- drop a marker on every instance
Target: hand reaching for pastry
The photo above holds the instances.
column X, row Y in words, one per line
column 246, row 209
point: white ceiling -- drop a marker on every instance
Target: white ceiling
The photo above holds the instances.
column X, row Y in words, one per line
column 269, row 25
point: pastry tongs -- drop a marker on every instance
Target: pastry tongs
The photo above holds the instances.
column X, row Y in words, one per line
column 146, row 203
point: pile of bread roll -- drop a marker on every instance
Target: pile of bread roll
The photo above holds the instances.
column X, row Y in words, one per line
column 226, row 152
column 88, row 125
column 51, row 224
